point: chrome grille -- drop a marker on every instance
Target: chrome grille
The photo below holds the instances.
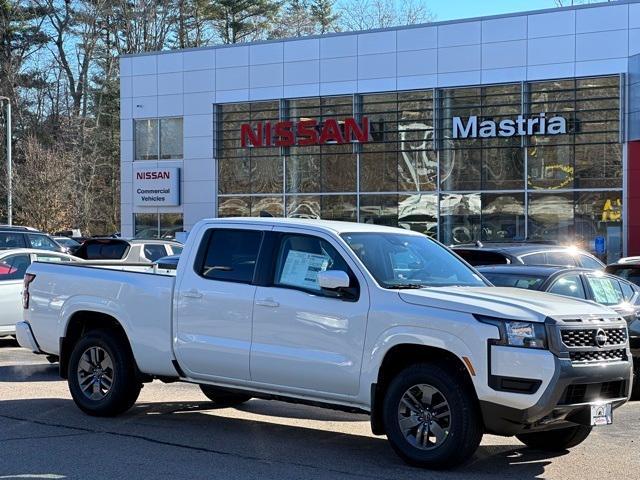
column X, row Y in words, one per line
column 586, row 337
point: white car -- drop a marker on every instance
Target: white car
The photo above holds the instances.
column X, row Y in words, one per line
column 13, row 265
column 344, row 315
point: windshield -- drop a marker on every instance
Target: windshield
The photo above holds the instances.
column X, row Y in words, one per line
column 410, row 261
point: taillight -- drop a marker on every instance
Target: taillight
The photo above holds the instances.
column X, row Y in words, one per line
column 28, row 278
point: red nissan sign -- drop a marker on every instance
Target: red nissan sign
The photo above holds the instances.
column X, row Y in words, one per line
column 304, row 132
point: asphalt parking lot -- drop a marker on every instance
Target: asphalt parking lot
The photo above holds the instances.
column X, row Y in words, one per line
column 173, row 432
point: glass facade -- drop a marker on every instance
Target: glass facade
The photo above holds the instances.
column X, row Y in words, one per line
column 413, row 173
column 157, row 225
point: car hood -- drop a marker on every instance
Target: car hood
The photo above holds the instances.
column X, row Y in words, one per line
column 503, row 302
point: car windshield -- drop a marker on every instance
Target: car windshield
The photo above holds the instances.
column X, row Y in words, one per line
column 410, row 261
column 517, row 280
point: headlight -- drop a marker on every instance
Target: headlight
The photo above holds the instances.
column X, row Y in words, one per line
column 518, row 334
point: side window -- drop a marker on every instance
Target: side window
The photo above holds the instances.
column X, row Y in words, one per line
column 589, row 262
column 560, row 258
column 231, row 255
column 534, row 259
column 606, row 290
column 301, row 257
column 627, row 291
column 154, row 252
column 42, row 242
column 569, row 285
column 14, row 267
column 11, row 240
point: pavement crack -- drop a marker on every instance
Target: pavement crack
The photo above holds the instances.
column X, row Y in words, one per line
column 195, row 449
column 38, row 437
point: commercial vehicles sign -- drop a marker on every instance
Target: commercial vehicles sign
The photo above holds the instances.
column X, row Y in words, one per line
column 156, row 187
column 520, row 126
column 304, row 132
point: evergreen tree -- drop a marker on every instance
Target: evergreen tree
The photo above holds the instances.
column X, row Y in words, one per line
column 237, row 21
column 324, row 16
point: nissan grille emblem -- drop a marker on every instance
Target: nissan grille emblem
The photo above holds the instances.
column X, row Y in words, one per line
column 601, row 338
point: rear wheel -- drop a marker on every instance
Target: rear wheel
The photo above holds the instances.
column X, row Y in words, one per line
column 556, row 440
column 224, row 398
column 431, row 417
column 102, row 375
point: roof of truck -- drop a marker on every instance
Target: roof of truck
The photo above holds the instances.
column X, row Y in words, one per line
column 326, row 225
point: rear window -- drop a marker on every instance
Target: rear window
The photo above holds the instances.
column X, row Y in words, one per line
column 11, row 240
column 231, row 255
column 104, row 251
column 530, row 282
column 482, row 257
column 42, row 242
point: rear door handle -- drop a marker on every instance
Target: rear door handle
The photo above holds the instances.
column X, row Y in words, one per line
column 267, row 302
column 192, row 294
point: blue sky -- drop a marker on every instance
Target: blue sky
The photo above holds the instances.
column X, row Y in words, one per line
column 456, row 9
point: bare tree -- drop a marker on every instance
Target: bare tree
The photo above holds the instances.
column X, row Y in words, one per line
column 368, row 14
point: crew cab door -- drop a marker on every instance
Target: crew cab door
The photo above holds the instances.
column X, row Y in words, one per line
column 305, row 338
column 214, row 304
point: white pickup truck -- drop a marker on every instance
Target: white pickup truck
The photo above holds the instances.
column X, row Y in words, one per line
column 348, row 316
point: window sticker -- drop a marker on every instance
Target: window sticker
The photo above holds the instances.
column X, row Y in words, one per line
column 603, row 291
column 301, row 269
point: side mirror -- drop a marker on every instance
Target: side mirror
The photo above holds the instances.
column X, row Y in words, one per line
column 333, row 279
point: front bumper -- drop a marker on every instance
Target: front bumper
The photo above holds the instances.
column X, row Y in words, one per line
column 577, row 382
column 25, row 337
column 563, row 401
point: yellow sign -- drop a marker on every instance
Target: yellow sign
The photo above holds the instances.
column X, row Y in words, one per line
column 612, row 210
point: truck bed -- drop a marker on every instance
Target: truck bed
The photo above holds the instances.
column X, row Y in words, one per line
column 139, row 297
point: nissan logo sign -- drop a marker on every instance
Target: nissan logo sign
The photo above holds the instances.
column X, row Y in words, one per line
column 600, row 338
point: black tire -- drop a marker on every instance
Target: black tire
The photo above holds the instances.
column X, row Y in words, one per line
column 125, row 387
column 635, row 388
column 464, row 425
column 224, row 398
column 555, row 440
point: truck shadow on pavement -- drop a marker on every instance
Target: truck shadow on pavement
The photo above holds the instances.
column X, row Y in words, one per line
column 318, row 445
column 29, row 373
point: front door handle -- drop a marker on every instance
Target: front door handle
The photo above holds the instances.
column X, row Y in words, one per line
column 267, row 302
column 192, row 294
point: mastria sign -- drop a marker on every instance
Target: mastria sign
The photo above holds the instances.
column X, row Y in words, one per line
column 520, row 126
column 304, row 132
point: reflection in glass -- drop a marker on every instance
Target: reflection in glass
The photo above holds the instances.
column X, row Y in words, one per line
column 266, row 174
column 303, row 206
column 550, row 167
column 265, row 206
column 171, row 138
column 234, row 175
column 419, row 213
column 338, row 207
column 145, row 225
column 170, row 224
column 379, row 209
column 502, row 217
column 234, row 206
column 599, row 214
column 551, row 217
column 303, row 174
column 146, row 139
column 460, row 218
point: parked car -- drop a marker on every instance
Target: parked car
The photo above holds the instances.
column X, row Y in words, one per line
column 527, row 254
column 614, row 292
column 69, row 244
column 13, row 265
column 127, row 251
column 22, row 237
column 351, row 316
column 627, row 268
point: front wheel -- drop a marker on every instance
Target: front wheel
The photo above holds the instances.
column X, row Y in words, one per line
column 556, row 440
column 431, row 417
column 101, row 374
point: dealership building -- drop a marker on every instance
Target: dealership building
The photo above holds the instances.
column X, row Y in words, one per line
column 503, row 128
